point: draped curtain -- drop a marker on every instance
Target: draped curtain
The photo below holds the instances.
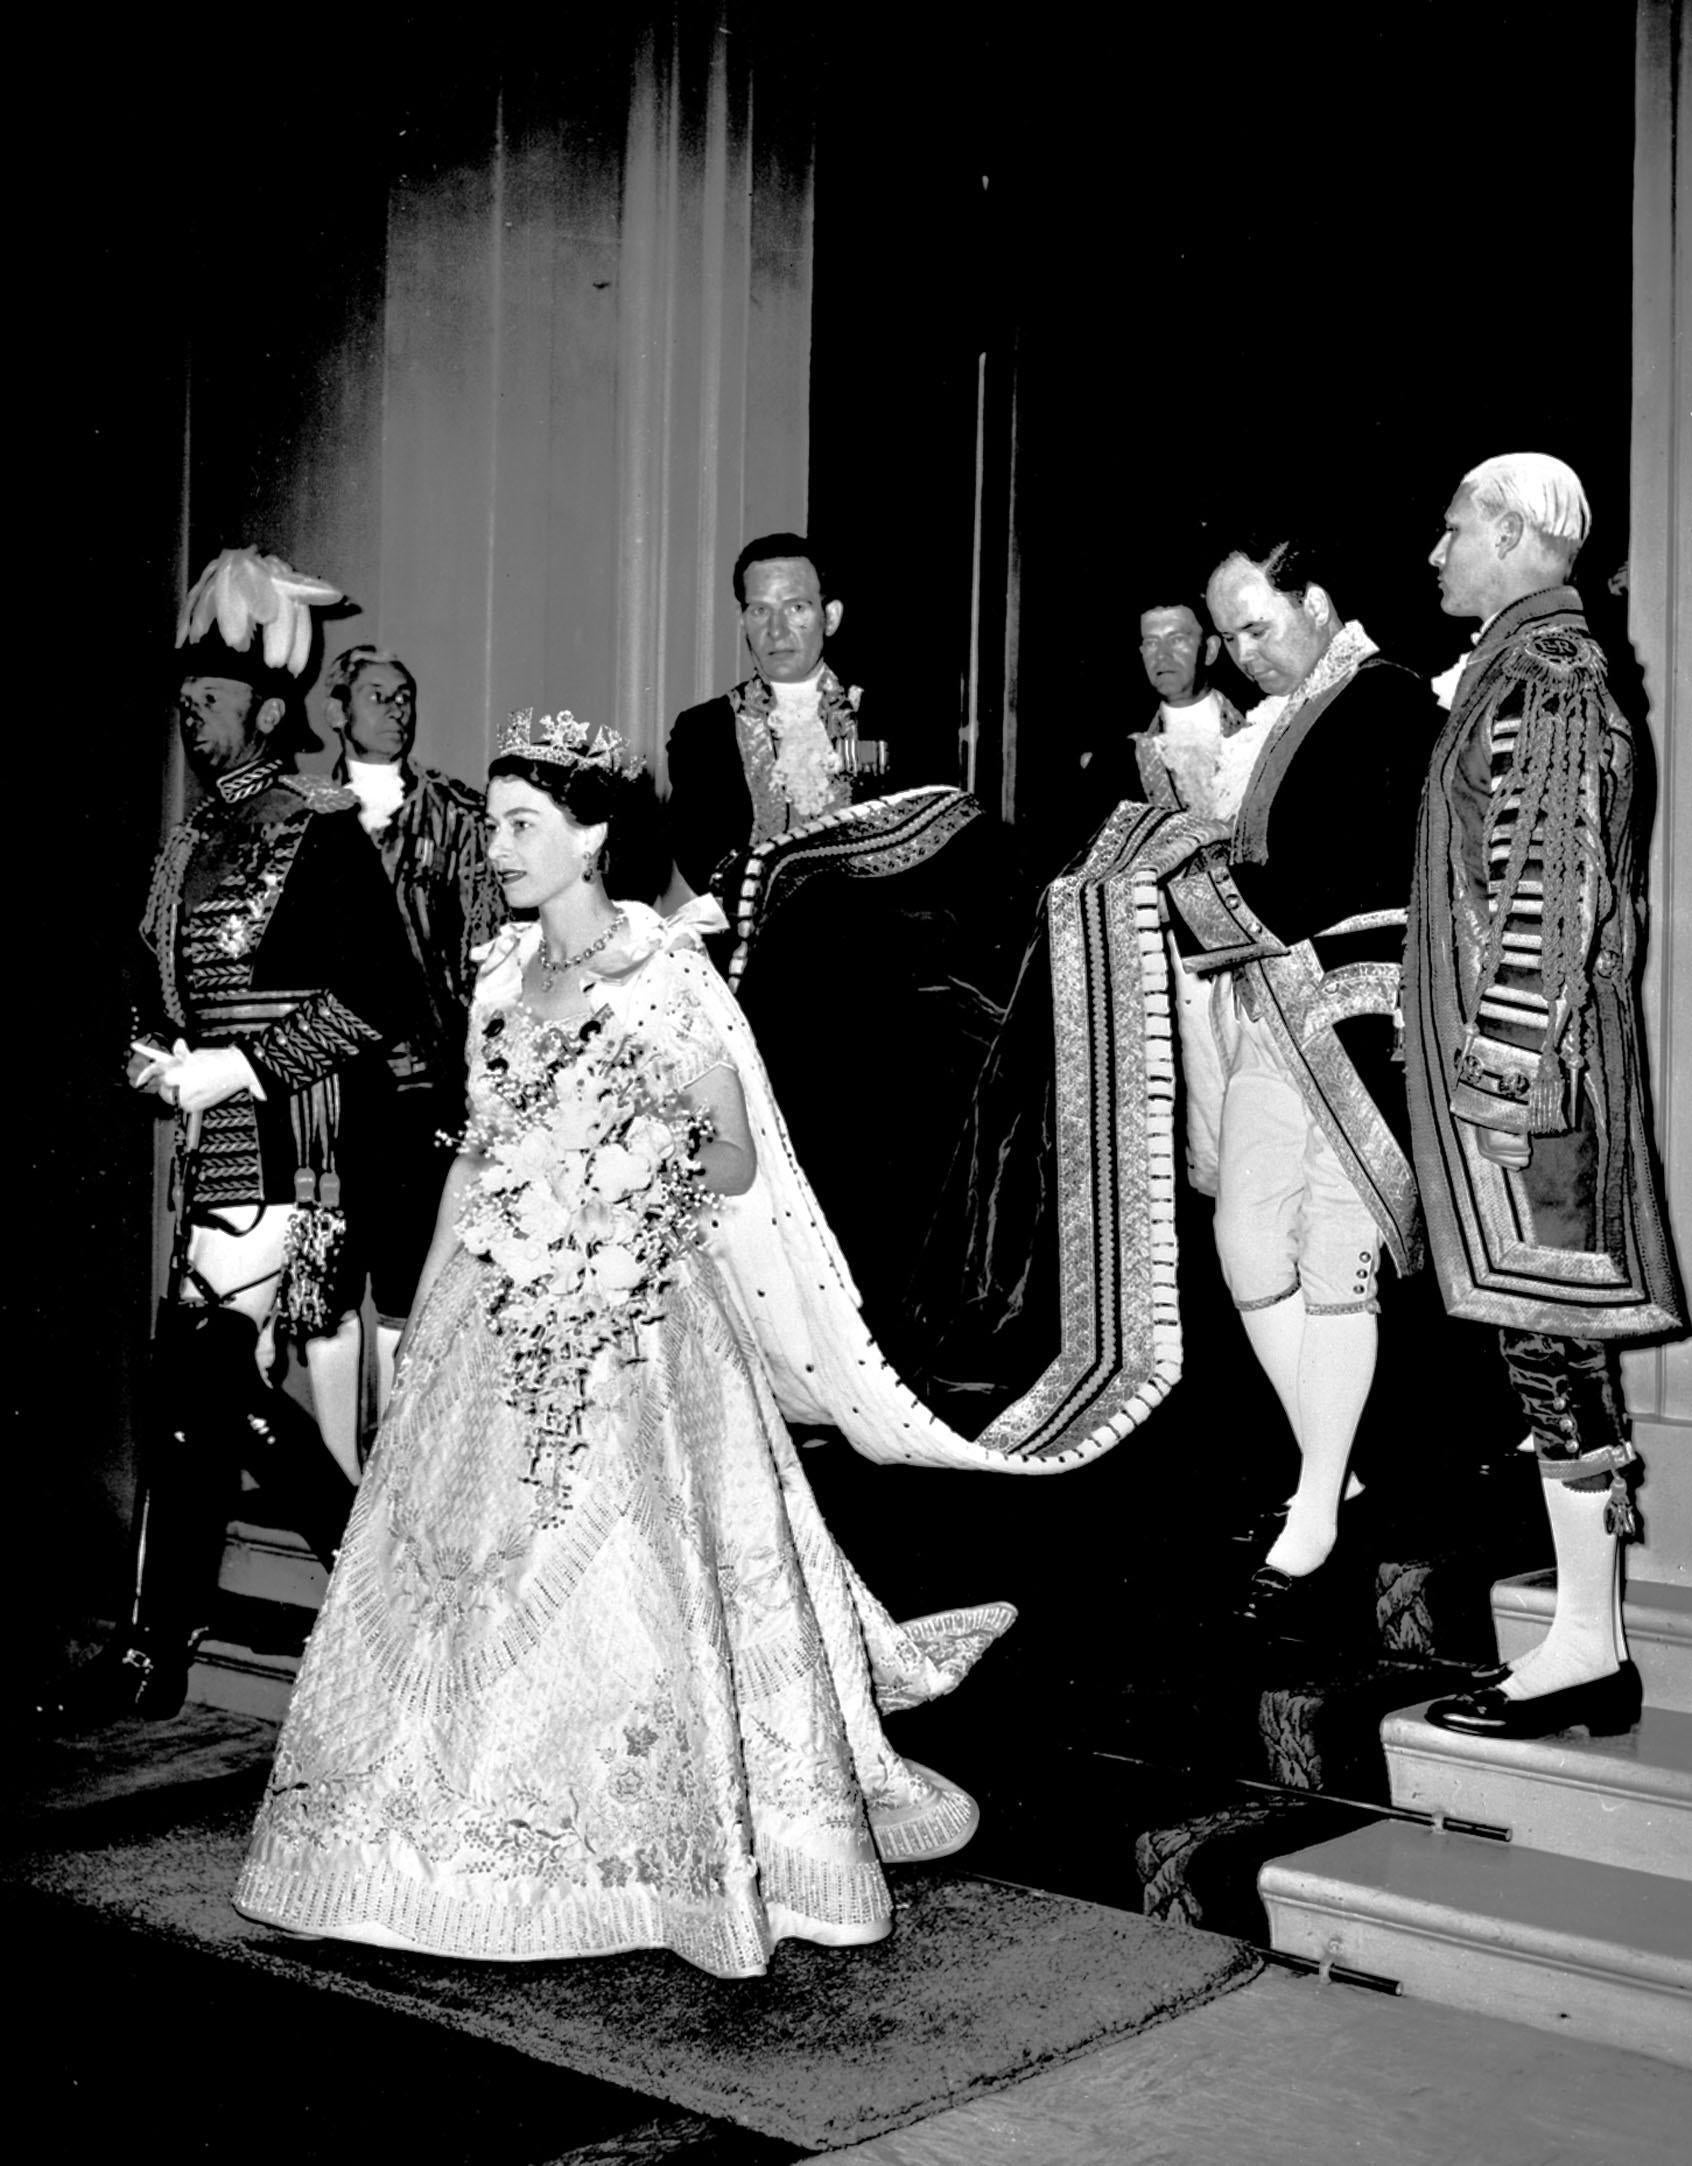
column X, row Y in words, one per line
column 547, row 372
column 534, row 371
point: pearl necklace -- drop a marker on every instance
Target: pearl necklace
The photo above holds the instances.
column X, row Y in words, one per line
column 551, row 972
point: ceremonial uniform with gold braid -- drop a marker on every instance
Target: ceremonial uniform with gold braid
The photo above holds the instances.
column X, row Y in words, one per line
column 1521, row 1017
column 270, row 926
column 271, row 979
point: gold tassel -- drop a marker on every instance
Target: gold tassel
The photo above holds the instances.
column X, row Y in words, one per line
column 308, row 1296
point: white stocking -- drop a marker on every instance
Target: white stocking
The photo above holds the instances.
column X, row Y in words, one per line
column 1585, row 1640
column 1277, row 1339
column 1336, row 1367
column 387, row 1346
column 334, row 1366
column 1353, row 1488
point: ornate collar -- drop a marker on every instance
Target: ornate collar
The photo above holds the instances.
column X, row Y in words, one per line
column 837, row 705
column 1349, row 647
column 1558, row 601
column 1505, row 622
column 796, row 767
column 250, row 781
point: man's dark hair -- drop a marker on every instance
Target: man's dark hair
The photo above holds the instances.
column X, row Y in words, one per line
column 777, row 545
column 1179, row 600
column 1290, row 562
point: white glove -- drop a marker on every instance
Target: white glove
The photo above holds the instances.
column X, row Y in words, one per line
column 148, row 1062
column 207, row 1076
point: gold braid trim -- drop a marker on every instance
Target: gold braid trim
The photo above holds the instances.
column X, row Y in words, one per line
column 160, row 918
column 1552, row 793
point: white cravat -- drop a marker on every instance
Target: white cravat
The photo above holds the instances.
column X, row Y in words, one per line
column 380, row 790
column 1199, row 722
column 1236, row 756
column 1212, row 769
column 797, row 702
column 1445, row 684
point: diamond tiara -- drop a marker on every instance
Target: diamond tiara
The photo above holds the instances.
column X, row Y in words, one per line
column 565, row 742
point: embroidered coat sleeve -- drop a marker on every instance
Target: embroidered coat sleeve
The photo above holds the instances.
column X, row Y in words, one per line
column 1556, row 753
column 337, row 935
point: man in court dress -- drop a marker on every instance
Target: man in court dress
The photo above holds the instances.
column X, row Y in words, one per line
column 1525, row 1059
column 865, row 938
column 428, row 829
column 1291, row 891
column 272, row 980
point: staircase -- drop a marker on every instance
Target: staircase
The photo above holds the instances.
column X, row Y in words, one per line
column 1659, row 1630
column 269, row 1590
column 1581, row 1920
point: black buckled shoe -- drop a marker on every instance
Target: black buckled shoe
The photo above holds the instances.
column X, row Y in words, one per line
column 1602, row 1706
column 1278, row 1606
column 1267, row 1593
column 143, row 1679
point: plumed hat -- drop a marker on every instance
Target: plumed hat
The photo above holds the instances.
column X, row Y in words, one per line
column 238, row 595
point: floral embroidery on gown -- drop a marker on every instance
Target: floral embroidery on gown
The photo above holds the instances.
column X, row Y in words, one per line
column 647, row 1717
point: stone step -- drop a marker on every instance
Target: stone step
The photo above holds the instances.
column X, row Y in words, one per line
column 246, row 1680
column 271, row 1564
column 1588, row 1951
column 1616, row 1800
column 1657, row 1616
column 270, row 1587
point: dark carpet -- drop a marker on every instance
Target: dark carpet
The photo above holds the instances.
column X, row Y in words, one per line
column 982, row 1983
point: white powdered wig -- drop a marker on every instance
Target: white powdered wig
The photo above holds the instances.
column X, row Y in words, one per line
column 1546, row 493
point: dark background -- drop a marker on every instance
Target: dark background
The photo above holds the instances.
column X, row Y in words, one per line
column 1300, row 267
column 1296, row 269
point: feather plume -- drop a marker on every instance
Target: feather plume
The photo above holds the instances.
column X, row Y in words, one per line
column 241, row 589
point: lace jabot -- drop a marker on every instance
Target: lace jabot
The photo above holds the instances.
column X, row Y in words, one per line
column 798, row 762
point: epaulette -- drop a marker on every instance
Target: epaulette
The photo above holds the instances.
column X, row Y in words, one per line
column 320, row 794
column 1555, row 653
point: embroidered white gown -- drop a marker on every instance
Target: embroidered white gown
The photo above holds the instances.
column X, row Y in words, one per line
column 654, row 1723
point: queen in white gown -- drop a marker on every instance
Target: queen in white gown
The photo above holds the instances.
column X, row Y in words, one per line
column 591, row 1674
